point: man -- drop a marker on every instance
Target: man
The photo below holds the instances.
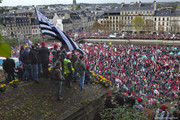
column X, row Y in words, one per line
column 56, row 75
column 73, row 60
column 161, row 113
column 25, row 58
column 34, row 64
column 44, row 59
column 68, row 70
column 54, row 53
column 9, row 66
column 119, row 98
column 80, row 68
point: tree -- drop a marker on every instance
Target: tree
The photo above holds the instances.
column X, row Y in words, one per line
column 120, row 25
column 105, row 26
column 138, row 23
column 149, row 25
column 96, row 26
column 175, row 26
column 160, row 29
column 5, row 50
column 36, row 39
column 10, row 41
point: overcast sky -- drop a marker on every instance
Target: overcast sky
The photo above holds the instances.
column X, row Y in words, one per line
column 46, row 2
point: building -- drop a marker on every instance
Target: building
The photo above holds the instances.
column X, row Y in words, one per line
column 120, row 19
column 20, row 27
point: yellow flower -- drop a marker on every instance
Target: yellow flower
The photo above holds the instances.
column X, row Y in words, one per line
column 49, row 69
column 11, row 82
column 16, row 80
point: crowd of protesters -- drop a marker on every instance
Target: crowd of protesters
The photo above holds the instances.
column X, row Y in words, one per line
column 141, row 72
column 107, row 35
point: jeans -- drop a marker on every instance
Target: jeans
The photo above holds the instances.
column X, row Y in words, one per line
column 34, row 72
column 10, row 76
column 75, row 76
column 82, row 78
column 45, row 70
column 27, row 72
column 59, row 89
column 68, row 78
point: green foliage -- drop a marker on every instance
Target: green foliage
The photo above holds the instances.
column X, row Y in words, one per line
column 5, row 50
column 121, row 113
column 10, row 41
column 36, row 40
column 96, row 26
column 138, row 23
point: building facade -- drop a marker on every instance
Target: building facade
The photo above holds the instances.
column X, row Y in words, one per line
column 159, row 21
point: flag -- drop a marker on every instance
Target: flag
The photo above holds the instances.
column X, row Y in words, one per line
column 47, row 27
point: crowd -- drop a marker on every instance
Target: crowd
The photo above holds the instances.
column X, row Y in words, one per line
column 141, row 72
column 107, row 35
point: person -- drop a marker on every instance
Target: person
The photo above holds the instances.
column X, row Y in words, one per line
column 44, row 59
column 54, row 53
column 25, row 58
column 80, row 68
column 73, row 60
column 109, row 102
column 88, row 75
column 162, row 113
column 68, row 70
column 119, row 98
column 34, row 64
column 139, row 105
column 56, row 75
column 130, row 100
column 176, row 112
column 8, row 67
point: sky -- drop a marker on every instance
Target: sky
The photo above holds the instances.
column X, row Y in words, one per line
column 46, row 2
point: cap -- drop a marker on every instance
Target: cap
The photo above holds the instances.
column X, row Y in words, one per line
column 55, row 46
column 43, row 43
column 139, row 100
column 87, row 66
column 163, row 107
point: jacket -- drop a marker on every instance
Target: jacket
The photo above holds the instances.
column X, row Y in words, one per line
column 44, row 55
column 80, row 66
column 56, row 74
column 9, row 65
column 25, row 58
column 33, row 56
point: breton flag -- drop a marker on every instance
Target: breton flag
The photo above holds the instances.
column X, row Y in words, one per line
column 47, row 27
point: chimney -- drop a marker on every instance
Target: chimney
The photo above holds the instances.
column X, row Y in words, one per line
column 154, row 5
column 139, row 3
column 122, row 4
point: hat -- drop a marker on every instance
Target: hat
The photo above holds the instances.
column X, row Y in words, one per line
column 87, row 66
column 163, row 107
column 139, row 100
column 43, row 43
column 55, row 45
column 68, row 55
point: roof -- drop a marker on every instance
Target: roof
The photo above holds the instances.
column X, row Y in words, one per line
column 175, row 12
column 74, row 16
column 137, row 6
column 162, row 13
column 66, row 21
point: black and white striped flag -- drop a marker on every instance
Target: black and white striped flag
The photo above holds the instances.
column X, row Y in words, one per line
column 47, row 27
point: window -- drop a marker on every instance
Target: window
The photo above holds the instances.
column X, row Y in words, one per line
column 167, row 23
column 167, row 19
column 163, row 19
column 159, row 19
column 155, row 19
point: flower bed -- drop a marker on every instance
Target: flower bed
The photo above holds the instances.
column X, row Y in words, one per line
column 98, row 79
column 14, row 83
